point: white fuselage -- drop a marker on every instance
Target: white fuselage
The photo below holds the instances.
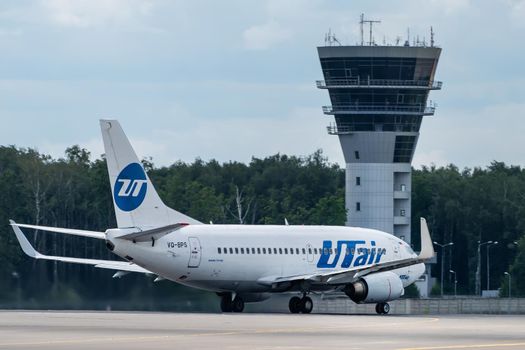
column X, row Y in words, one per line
column 243, row 258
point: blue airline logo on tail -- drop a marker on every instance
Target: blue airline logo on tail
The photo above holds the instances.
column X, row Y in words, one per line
column 130, row 187
column 355, row 253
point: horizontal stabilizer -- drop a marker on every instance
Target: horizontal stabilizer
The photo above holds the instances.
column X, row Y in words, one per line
column 68, row 231
column 103, row 264
column 156, row 233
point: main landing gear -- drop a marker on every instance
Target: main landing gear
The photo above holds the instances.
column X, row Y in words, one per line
column 303, row 305
column 229, row 305
column 382, row 308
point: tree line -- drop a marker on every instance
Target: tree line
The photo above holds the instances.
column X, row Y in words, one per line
column 461, row 206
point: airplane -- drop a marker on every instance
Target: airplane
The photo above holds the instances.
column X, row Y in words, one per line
column 240, row 263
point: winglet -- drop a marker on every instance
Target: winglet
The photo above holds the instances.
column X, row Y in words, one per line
column 24, row 243
column 427, row 249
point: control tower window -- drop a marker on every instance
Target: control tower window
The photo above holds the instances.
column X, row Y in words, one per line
column 402, row 212
column 358, row 206
column 358, row 181
column 356, row 154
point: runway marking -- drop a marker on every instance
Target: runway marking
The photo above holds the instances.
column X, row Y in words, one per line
column 114, row 339
column 469, row 346
column 225, row 333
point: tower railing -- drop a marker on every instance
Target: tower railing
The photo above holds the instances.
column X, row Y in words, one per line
column 378, row 83
column 379, row 109
column 349, row 128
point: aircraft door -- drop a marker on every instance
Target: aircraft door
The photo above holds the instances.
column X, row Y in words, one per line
column 195, row 252
column 309, row 253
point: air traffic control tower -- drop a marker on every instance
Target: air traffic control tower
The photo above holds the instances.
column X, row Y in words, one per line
column 379, row 96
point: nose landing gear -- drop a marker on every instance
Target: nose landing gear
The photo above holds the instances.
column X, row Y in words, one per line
column 303, row 305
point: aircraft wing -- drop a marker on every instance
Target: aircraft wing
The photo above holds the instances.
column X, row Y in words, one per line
column 103, row 264
column 351, row 275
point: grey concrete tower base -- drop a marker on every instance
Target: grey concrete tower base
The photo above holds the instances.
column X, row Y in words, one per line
column 380, row 183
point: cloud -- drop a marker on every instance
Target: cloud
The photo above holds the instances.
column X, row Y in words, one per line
column 90, row 13
column 473, row 137
column 10, row 32
column 436, row 157
column 517, row 12
column 240, row 139
column 262, row 37
column 70, row 62
column 452, row 6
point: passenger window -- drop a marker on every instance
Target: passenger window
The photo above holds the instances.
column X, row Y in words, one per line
column 297, row 251
column 315, row 251
column 269, row 250
column 219, row 250
column 253, row 250
column 325, row 250
column 347, row 251
column 309, row 250
column 275, row 250
column 236, row 250
column 264, row 250
column 331, row 251
column 231, row 250
column 280, row 250
column 259, row 251
column 285, row 250
column 247, row 250
column 291, row 250
column 304, row 251
column 335, row 250
column 242, row 250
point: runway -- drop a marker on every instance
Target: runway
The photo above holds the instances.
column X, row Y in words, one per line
column 132, row 330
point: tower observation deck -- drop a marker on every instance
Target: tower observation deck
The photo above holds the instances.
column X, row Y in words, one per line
column 379, row 95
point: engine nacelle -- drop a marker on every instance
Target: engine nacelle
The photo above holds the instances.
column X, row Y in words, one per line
column 375, row 288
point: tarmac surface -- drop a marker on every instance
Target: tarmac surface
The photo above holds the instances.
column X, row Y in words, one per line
column 139, row 330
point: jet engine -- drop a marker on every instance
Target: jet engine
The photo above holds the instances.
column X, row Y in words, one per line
column 375, row 288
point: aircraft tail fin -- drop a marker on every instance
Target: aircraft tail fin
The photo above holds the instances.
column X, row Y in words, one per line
column 136, row 201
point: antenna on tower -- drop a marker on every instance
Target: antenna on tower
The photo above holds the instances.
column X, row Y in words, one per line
column 431, row 36
column 398, row 39
column 371, row 22
column 361, row 23
column 330, row 39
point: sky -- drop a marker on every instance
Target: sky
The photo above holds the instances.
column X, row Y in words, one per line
column 229, row 80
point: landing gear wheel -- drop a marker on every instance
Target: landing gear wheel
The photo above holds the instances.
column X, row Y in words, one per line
column 382, row 308
column 226, row 303
column 237, row 304
column 306, row 305
column 295, row 305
